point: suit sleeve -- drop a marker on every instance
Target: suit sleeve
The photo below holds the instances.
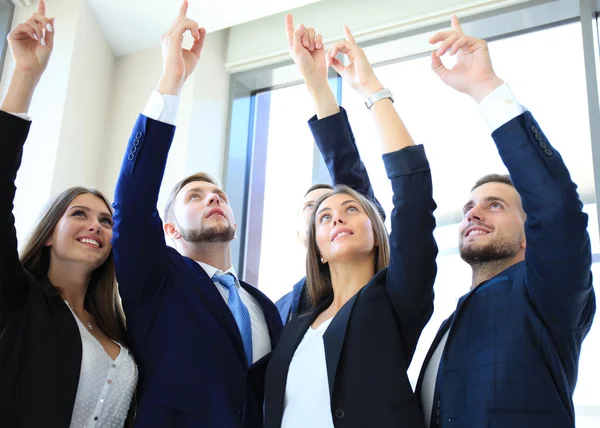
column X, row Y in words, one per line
column 413, row 250
column 140, row 250
column 558, row 252
column 336, row 143
column 12, row 278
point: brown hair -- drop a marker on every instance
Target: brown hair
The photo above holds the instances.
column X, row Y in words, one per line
column 199, row 176
column 102, row 298
column 318, row 277
column 319, row 186
column 493, row 178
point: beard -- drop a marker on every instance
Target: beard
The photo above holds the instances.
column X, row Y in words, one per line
column 208, row 235
column 494, row 251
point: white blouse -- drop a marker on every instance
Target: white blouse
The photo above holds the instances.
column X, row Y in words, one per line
column 105, row 386
column 307, row 401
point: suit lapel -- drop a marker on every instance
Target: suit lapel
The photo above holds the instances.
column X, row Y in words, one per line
column 334, row 337
column 216, row 305
column 279, row 365
column 440, row 334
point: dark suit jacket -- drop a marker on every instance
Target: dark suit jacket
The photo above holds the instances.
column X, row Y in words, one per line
column 514, row 341
column 40, row 345
column 371, row 340
column 192, row 366
column 345, row 167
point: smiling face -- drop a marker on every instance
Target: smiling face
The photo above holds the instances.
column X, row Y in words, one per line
column 202, row 214
column 83, row 233
column 493, row 225
column 343, row 229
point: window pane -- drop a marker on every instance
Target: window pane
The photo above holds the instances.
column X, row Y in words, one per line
column 290, row 149
column 460, row 150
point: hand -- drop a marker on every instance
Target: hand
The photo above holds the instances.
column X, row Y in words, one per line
column 179, row 63
column 308, row 52
column 359, row 74
column 31, row 43
column 473, row 73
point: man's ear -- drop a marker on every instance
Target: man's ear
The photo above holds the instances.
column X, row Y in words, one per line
column 171, row 231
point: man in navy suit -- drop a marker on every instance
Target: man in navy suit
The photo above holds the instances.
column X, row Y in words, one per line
column 508, row 355
column 201, row 337
column 339, row 150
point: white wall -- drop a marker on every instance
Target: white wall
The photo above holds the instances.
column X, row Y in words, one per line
column 60, row 150
column 263, row 42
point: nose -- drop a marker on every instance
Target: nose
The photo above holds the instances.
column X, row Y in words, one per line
column 474, row 214
column 338, row 218
column 214, row 199
column 95, row 227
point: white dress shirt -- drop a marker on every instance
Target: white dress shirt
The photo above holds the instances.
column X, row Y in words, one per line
column 105, row 386
column 261, row 340
column 498, row 108
column 307, row 400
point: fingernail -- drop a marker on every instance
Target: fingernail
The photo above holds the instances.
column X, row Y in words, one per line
column 49, row 27
column 35, row 36
column 43, row 42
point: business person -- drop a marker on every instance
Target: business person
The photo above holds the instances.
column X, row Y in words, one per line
column 344, row 364
column 63, row 359
column 508, row 355
column 339, row 150
column 200, row 334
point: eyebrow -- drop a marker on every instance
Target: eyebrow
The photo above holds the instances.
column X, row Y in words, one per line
column 202, row 191
column 86, row 209
column 349, row 201
column 487, row 199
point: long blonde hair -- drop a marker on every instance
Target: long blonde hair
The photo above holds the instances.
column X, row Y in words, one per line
column 102, row 296
column 318, row 277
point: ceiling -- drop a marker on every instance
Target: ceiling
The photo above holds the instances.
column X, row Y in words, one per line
column 134, row 25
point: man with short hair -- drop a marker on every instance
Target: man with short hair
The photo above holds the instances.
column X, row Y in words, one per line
column 508, row 355
column 339, row 150
column 200, row 335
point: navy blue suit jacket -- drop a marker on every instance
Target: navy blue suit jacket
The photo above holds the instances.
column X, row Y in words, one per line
column 336, row 143
column 514, row 341
column 186, row 342
column 371, row 340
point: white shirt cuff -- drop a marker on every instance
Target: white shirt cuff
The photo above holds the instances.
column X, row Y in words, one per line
column 23, row 116
column 162, row 107
column 500, row 107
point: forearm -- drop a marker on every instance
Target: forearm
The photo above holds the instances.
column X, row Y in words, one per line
column 20, row 92
column 323, row 98
column 393, row 135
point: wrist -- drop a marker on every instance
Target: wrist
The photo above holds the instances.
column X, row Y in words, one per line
column 483, row 89
column 169, row 85
column 370, row 88
column 317, row 86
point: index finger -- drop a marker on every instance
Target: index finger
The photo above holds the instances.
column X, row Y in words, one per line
column 456, row 25
column 41, row 8
column 349, row 36
column 289, row 28
column 184, row 8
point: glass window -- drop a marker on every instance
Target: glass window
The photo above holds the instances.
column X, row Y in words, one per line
column 6, row 14
column 460, row 150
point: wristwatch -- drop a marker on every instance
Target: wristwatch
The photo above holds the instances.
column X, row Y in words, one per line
column 378, row 96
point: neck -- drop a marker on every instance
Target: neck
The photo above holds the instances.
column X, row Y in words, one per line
column 71, row 280
column 487, row 270
column 216, row 254
column 347, row 278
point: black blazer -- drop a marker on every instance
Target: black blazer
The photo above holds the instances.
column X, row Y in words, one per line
column 40, row 343
column 371, row 340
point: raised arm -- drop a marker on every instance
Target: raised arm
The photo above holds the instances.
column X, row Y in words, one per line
column 330, row 127
column 558, row 252
column 140, row 249
column 31, row 45
column 413, row 250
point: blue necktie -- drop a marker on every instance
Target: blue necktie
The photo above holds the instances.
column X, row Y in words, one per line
column 239, row 311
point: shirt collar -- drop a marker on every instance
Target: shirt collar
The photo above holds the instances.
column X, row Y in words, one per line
column 212, row 271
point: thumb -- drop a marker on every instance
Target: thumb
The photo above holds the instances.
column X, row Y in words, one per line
column 437, row 66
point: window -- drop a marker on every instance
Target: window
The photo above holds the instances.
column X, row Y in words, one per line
column 6, row 15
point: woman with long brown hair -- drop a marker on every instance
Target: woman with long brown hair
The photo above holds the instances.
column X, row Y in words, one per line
column 344, row 363
column 63, row 359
